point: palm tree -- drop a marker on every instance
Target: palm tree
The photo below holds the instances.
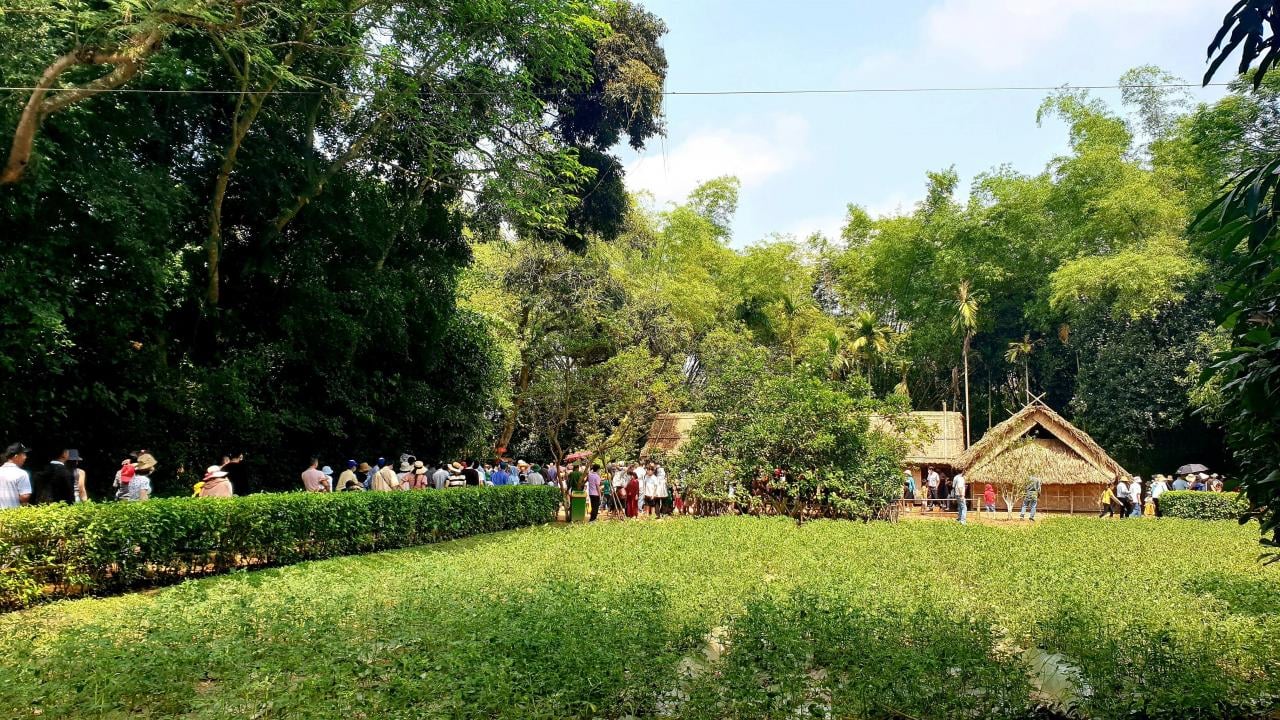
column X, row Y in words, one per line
column 870, row 338
column 842, row 360
column 1020, row 352
column 903, row 366
column 965, row 320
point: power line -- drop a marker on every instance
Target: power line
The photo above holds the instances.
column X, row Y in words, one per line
column 668, row 93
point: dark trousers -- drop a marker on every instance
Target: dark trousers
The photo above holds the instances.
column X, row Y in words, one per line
column 1155, row 502
column 595, row 506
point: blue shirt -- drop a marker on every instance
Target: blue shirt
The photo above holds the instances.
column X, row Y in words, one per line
column 1179, row 484
column 500, row 477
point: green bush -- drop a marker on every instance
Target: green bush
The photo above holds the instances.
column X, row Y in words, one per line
column 61, row 550
column 1193, row 505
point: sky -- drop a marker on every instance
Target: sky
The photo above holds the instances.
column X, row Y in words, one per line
column 803, row 158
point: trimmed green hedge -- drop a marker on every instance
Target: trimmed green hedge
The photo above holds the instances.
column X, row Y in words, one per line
column 68, row 550
column 1196, row 505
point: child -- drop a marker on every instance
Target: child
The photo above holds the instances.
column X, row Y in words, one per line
column 989, row 500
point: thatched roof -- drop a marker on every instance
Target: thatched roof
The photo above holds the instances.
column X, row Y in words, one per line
column 946, row 430
column 1062, row 454
column 670, row 430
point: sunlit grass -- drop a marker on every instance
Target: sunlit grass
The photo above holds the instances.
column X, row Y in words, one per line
column 594, row 621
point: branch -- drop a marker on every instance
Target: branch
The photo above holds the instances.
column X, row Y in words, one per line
column 127, row 62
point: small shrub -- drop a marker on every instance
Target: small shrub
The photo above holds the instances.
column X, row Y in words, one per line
column 1193, row 505
column 60, row 550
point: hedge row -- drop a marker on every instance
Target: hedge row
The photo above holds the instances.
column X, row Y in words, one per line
column 63, row 551
column 1196, row 505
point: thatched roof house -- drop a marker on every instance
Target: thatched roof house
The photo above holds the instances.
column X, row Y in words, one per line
column 669, row 431
column 1072, row 468
column 945, row 443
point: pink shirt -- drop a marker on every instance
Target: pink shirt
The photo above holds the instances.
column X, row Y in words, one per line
column 314, row 480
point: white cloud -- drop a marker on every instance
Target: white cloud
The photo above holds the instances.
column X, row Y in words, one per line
column 1007, row 34
column 754, row 156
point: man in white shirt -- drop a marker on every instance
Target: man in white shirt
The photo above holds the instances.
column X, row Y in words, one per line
column 1135, row 496
column 1157, row 489
column 957, row 489
column 931, row 482
column 15, row 483
column 1122, row 495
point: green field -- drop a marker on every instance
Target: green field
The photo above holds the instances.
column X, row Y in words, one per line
column 730, row 617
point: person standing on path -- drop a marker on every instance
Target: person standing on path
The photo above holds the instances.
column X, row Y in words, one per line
column 958, row 488
column 989, row 500
column 1158, row 488
column 348, row 475
column 82, row 487
column 1122, row 497
column 593, row 490
column 1135, row 497
column 216, row 483
column 1031, row 499
column 534, row 476
column 314, row 481
column 59, row 482
column 931, row 491
column 633, row 494
column 471, row 475
column 15, row 483
column 1106, row 503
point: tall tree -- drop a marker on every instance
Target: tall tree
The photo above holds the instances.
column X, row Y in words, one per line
column 1243, row 229
column 965, row 322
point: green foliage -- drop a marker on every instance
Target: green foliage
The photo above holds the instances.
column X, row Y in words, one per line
column 58, row 550
column 1091, row 259
column 1194, row 505
column 1242, row 230
column 256, row 269
column 715, row 618
column 768, row 416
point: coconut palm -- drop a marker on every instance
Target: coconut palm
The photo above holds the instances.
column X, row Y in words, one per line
column 870, row 338
column 965, row 320
column 1020, row 352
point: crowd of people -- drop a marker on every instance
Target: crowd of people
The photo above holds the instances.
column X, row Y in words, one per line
column 1125, row 497
column 618, row 489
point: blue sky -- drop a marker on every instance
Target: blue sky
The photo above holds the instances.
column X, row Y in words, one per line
column 801, row 159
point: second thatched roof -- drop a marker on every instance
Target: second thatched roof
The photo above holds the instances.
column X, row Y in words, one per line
column 1067, row 457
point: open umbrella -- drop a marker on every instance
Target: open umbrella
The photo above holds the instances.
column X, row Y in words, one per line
column 1192, row 469
column 577, row 456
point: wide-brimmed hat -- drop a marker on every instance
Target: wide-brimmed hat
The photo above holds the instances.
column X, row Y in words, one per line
column 405, row 466
column 16, row 449
column 73, row 455
column 147, row 461
column 521, row 463
column 1202, row 476
column 419, row 468
column 455, row 467
column 364, row 467
column 214, row 471
column 327, row 470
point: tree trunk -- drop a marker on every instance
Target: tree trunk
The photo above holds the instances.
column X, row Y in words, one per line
column 967, row 435
column 1026, row 379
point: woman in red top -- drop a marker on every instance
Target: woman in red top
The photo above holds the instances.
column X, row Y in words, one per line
column 633, row 495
